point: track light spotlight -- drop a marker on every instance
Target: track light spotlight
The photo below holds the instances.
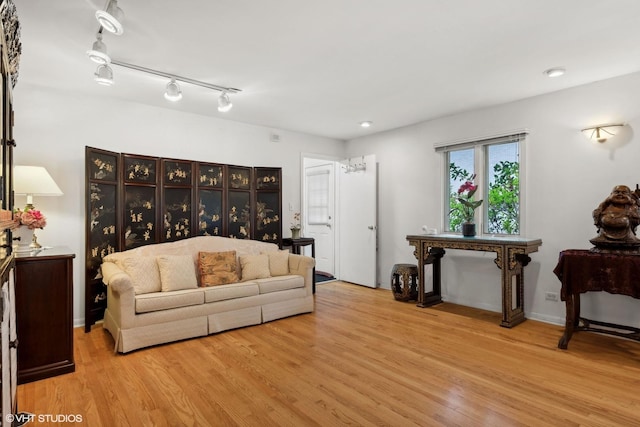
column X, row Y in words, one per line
column 98, row 52
column 104, row 75
column 224, row 103
column 111, row 17
column 173, row 92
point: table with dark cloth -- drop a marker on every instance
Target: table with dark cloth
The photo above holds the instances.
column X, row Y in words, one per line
column 582, row 271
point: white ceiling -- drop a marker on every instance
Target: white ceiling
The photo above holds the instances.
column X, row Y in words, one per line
column 321, row 67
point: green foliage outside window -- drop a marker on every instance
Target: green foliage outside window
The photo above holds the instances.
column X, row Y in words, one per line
column 504, row 199
column 503, row 205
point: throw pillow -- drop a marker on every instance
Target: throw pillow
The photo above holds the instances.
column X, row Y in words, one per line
column 217, row 268
column 278, row 263
column 177, row 272
column 144, row 273
column 254, row 267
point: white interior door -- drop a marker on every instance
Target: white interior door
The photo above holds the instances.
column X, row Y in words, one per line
column 357, row 218
column 319, row 199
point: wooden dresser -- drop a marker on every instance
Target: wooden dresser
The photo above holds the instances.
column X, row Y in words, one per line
column 44, row 313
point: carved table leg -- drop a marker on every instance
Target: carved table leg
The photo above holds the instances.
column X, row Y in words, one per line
column 432, row 256
column 512, row 265
column 571, row 321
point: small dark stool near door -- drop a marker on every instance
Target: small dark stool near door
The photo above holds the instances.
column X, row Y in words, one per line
column 404, row 282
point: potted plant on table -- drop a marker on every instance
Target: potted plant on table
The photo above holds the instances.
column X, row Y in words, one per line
column 468, row 206
column 295, row 226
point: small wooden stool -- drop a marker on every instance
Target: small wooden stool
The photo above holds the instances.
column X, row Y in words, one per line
column 404, row 282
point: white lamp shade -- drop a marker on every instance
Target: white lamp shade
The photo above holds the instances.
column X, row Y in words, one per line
column 34, row 181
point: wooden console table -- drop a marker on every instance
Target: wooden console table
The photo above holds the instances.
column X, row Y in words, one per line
column 582, row 271
column 511, row 258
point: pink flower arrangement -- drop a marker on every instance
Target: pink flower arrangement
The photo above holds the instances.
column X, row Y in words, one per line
column 30, row 218
column 468, row 205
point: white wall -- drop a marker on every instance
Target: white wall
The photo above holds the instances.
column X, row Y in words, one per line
column 565, row 176
column 52, row 129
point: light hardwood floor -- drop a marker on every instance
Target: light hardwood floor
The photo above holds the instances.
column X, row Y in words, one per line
column 361, row 359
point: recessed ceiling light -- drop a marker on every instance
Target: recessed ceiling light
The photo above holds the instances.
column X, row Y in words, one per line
column 555, row 72
column 366, row 124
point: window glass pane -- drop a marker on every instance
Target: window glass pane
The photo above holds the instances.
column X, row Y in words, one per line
column 503, row 189
column 318, row 198
column 461, row 169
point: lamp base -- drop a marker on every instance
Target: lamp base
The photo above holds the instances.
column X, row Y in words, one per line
column 34, row 243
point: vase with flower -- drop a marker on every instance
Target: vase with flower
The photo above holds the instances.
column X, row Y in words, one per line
column 468, row 206
column 295, row 226
column 27, row 221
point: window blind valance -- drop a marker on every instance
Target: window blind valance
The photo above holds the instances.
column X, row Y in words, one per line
column 514, row 136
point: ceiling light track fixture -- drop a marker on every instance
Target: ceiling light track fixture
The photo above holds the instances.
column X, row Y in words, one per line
column 175, row 77
column 110, row 19
column 173, row 92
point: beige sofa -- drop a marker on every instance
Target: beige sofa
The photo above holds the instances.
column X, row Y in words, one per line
column 141, row 312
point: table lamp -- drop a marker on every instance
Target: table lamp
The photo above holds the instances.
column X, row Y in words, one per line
column 34, row 181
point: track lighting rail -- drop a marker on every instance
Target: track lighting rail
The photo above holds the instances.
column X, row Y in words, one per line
column 174, row 76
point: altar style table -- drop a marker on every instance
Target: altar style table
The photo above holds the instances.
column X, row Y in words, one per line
column 582, row 271
column 511, row 258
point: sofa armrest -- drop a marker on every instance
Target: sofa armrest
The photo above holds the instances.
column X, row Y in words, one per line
column 303, row 265
column 114, row 277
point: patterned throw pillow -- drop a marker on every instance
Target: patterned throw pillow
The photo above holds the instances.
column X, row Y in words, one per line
column 255, row 267
column 177, row 272
column 217, row 268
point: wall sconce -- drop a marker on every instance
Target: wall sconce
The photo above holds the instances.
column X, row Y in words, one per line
column 602, row 132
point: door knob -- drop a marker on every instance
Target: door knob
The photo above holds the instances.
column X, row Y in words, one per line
column 371, row 227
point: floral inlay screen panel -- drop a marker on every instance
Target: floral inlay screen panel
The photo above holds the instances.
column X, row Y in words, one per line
column 239, row 214
column 140, row 169
column 268, row 221
column 177, row 214
column 139, row 219
column 177, row 173
column 210, row 214
column 210, row 175
column 102, row 231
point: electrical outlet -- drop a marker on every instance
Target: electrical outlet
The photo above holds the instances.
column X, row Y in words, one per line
column 551, row 296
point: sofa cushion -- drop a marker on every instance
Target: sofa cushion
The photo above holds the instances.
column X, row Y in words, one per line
column 144, row 273
column 232, row 291
column 176, row 272
column 278, row 263
column 166, row 300
column 280, row 283
column 254, row 267
column 217, row 268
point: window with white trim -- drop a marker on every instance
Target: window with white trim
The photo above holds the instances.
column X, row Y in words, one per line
column 487, row 170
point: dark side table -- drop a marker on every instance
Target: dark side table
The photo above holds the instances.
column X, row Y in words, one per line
column 296, row 246
column 44, row 313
